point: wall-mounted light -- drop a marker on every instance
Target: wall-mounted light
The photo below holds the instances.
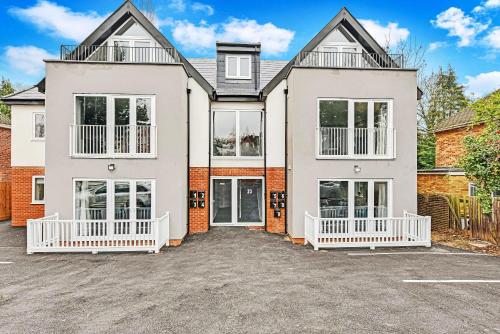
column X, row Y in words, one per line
column 111, row 167
column 357, row 169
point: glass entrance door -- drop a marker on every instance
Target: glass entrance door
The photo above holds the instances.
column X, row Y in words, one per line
column 237, row 201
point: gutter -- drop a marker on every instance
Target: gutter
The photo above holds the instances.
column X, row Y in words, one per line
column 188, row 92
column 209, row 194
column 285, row 91
column 265, row 165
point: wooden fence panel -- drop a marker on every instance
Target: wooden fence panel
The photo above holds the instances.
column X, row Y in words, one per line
column 5, row 200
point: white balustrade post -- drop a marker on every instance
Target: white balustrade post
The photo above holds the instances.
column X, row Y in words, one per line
column 29, row 236
column 316, row 233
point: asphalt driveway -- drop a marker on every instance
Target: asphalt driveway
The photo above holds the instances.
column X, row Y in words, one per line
column 238, row 281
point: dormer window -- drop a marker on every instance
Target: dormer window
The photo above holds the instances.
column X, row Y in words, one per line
column 238, row 67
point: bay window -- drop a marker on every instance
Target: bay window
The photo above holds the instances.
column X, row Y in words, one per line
column 114, row 126
column 355, row 198
column 349, row 128
column 237, row 134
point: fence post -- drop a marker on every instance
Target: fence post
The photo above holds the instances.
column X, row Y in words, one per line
column 29, row 237
column 427, row 229
column 316, row 233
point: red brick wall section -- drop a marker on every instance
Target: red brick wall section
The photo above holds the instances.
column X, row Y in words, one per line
column 22, row 209
column 449, row 145
column 5, row 171
column 442, row 184
column 199, row 179
column 198, row 217
column 275, row 182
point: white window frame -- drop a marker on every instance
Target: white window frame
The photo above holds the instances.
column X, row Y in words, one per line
column 33, row 131
column 350, row 195
column 470, row 187
column 238, row 155
column 33, row 199
column 110, row 123
column 234, row 200
column 391, row 144
column 238, row 67
column 110, row 197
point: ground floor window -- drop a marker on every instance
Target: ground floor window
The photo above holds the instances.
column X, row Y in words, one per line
column 38, row 189
column 114, row 199
column 237, row 201
column 355, row 198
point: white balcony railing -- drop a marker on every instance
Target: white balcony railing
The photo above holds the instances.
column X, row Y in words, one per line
column 103, row 141
column 409, row 230
column 50, row 234
column 356, row 142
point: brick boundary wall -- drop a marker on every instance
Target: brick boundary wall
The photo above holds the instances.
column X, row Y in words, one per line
column 457, row 185
column 199, row 180
column 435, row 206
column 22, row 209
column 5, row 169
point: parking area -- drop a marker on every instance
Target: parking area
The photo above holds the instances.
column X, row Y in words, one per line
column 233, row 280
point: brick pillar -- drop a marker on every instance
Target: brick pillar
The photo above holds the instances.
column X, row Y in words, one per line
column 275, row 182
column 22, row 209
column 198, row 217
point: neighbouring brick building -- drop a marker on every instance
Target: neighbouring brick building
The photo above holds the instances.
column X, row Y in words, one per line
column 446, row 177
column 27, row 154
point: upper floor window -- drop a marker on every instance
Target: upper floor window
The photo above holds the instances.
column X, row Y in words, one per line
column 114, row 125
column 238, row 67
column 38, row 125
column 237, row 134
column 354, row 128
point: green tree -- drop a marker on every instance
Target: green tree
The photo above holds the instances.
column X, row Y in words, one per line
column 5, row 89
column 442, row 97
column 481, row 161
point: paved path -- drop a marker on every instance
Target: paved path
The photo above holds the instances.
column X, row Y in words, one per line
column 238, row 281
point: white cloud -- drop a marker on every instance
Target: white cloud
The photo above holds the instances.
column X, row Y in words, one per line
column 489, row 4
column 194, row 37
column 201, row 7
column 436, row 45
column 274, row 40
column 387, row 36
column 493, row 38
column 27, row 59
column 202, row 37
column 178, row 5
column 483, row 83
column 460, row 25
column 58, row 20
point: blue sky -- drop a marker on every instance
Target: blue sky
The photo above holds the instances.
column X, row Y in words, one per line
column 465, row 34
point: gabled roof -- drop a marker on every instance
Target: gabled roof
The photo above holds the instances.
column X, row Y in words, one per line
column 349, row 22
column 27, row 96
column 459, row 120
column 122, row 14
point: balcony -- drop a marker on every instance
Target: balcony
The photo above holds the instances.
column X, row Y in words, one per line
column 51, row 234
column 409, row 230
column 119, row 54
column 119, row 141
column 349, row 60
column 355, row 143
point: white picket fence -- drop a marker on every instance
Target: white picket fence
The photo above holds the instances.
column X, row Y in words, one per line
column 409, row 230
column 50, row 234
